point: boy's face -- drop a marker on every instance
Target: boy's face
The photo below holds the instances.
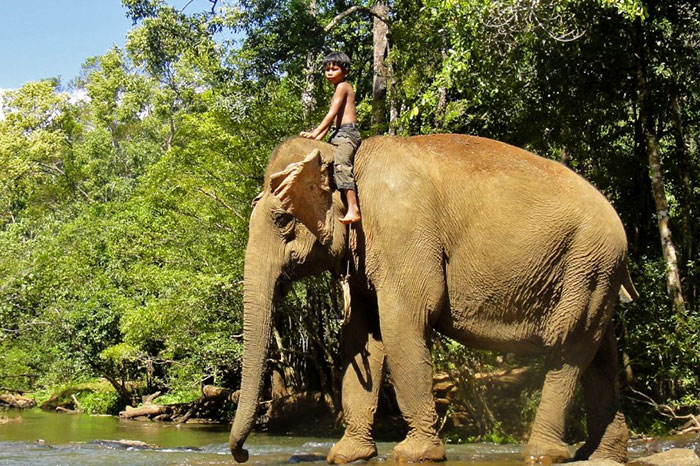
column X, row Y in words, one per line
column 335, row 73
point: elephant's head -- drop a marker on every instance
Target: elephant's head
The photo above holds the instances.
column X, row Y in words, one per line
column 294, row 232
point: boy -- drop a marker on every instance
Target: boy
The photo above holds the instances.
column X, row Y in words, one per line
column 345, row 136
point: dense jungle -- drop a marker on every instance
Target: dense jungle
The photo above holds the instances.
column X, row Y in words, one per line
column 125, row 192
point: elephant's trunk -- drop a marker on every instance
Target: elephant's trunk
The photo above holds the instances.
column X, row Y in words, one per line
column 261, row 276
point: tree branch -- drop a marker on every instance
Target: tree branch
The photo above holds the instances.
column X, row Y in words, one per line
column 186, row 5
column 54, row 168
column 692, row 424
column 220, row 201
column 334, row 22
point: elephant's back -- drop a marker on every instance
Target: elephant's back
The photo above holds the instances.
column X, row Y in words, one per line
column 479, row 191
column 468, row 169
column 456, row 155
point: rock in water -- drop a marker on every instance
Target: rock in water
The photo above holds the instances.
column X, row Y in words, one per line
column 595, row 463
column 124, row 444
column 685, row 441
column 305, row 459
column 673, row 457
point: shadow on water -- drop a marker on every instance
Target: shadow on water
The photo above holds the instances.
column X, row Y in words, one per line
column 48, row 439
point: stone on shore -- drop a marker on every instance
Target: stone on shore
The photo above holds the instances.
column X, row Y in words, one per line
column 672, row 457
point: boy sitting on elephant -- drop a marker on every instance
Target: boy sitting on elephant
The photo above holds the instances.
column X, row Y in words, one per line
column 345, row 136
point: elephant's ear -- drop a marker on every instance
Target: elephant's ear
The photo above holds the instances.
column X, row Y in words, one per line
column 304, row 190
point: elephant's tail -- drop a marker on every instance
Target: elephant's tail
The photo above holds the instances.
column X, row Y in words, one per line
column 628, row 293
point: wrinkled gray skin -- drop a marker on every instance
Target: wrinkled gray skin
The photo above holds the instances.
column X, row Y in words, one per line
column 486, row 243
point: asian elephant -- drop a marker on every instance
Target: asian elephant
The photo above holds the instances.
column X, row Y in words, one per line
column 486, row 243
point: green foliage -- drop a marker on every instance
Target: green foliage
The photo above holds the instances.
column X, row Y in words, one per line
column 100, row 402
column 496, row 436
column 179, row 396
column 662, row 347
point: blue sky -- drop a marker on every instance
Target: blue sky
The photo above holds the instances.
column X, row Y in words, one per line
column 47, row 38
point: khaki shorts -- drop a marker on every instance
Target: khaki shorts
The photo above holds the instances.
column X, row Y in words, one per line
column 346, row 140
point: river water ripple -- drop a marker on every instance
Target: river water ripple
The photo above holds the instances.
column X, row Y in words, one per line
column 43, row 438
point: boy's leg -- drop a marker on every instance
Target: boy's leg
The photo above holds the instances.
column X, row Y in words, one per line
column 344, row 178
column 353, row 213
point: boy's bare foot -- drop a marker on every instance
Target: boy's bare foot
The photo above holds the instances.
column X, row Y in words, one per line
column 353, row 213
column 351, row 217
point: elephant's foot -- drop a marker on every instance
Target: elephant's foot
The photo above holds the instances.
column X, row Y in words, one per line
column 419, row 449
column 539, row 452
column 612, row 445
column 350, row 449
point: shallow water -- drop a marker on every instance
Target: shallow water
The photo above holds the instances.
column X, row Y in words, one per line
column 44, row 438
column 63, row 439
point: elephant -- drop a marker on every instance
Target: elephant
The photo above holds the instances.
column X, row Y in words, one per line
column 486, row 243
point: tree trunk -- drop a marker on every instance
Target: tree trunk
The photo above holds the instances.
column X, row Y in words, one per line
column 565, row 158
column 285, row 372
column 683, row 167
column 124, row 393
column 308, row 102
column 393, row 96
column 646, row 124
column 442, row 98
column 380, row 33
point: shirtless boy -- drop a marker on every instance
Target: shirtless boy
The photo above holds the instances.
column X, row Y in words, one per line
column 345, row 136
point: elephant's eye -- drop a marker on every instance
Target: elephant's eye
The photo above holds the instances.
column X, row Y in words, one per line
column 282, row 219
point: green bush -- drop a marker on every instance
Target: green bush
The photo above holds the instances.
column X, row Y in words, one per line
column 662, row 347
column 178, row 396
column 100, row 402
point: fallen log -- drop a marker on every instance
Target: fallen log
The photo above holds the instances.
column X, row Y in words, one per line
column 18, row 401
column 76, row 403
column 145, row 410
column 210, row 394
column 61, row 409
column 206, row 407
column 211, row 391
column 149, row 399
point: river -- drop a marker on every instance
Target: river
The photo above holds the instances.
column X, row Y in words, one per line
column 44, row 438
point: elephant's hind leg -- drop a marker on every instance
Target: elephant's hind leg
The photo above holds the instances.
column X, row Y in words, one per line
column 607, row 430
column 545, row 443
column 363, row 364
column 571, row 353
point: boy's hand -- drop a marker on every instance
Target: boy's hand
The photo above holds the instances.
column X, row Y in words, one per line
column 307, row 135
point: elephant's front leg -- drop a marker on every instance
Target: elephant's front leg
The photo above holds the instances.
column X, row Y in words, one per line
column 404, row 320
column 363, row 368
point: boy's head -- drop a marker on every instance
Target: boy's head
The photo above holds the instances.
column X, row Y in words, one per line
column 339, row 59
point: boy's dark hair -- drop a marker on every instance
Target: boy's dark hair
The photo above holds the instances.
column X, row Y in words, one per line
column 337, row 58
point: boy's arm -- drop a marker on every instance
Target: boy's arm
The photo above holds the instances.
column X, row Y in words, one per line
column 337, row 101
